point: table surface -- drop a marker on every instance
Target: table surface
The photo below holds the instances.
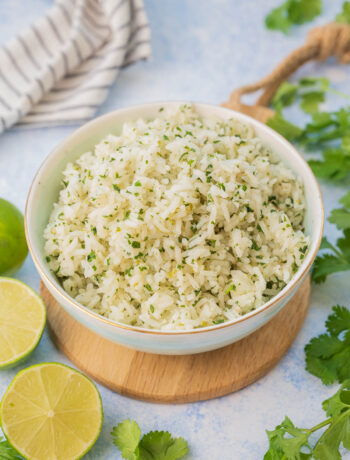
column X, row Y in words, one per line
column 201, row 51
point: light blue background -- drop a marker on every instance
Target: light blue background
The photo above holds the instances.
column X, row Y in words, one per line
column 201, row 51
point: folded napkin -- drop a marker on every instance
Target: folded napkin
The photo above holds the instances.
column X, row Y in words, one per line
column 60, row 69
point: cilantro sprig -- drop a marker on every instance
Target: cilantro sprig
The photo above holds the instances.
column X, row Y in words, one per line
column 292, row 12
column 155, row 445
column 288, row 442
column 329, row 133
column 7, row 452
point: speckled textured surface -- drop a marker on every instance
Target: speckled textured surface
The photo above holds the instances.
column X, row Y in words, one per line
column 201, row 51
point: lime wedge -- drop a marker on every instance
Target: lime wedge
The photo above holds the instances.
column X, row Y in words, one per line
column 51, row 412
column 13, row 246
column 22, row 321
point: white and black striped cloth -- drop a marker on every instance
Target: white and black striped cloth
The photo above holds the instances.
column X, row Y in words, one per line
column 60, row 69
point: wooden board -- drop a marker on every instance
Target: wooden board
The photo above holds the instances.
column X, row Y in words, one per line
column 177, row 379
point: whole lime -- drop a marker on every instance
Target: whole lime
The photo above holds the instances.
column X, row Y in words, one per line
column 13, row 246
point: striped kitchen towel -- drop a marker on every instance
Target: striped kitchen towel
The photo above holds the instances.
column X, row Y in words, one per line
column 60, row 69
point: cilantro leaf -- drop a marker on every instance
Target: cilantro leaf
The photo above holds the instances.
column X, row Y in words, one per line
column 322, row 82
column 284, row 96
column 7, row 452
column 338, row 261
column 341, row 216
column 328, row 355
column 344, row 16
column 335, row 165
column 346, row 200
column 284, row 127
column 339, row 321
column 155, row 445
column 282, row 447
column 292, row 12
column 301, row 11
column 278, row 19
column 326, row 130
column 127, row 437
column 310, row 101
column 161, row 446
column 326, row 126
column 310, row 90
column 339, row 402
column 328, row 445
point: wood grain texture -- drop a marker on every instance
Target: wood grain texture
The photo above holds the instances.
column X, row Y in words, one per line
column 177, row 379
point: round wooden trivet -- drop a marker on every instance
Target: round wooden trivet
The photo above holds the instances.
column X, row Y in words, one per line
column 177, row 379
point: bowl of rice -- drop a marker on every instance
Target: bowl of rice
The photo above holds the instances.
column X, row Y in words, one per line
column 174, row 228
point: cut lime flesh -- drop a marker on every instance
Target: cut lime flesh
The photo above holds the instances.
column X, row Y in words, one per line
column 22, row 321
column 51, row 412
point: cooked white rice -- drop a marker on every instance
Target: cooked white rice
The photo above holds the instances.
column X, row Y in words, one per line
column 178, row 223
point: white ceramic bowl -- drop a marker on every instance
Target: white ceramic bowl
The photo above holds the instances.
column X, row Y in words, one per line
column 44, row 192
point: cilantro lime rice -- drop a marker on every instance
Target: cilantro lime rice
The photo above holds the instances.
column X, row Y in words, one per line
column 177, row 223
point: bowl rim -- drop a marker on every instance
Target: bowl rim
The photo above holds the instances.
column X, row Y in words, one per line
column 290, row 286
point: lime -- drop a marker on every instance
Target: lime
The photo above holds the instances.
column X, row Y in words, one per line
column 13, row 246
column 22, row 321
column 51, row 412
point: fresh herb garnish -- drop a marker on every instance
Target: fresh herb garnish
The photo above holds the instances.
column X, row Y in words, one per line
column 328, row 355
column 336, row 260
column 327, row 132
column 158, row 445
column 91, row 256
column 232, row 287
column 288, row 442
column 292, row 12
column 255, row 246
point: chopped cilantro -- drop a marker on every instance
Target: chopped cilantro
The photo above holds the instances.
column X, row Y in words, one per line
column 91, row 256
column 218, row 321
column 232, row 287
column 255, row 246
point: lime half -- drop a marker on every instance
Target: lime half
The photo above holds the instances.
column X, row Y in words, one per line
column 22, row 321
column 51, row 412
column 13, row 246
